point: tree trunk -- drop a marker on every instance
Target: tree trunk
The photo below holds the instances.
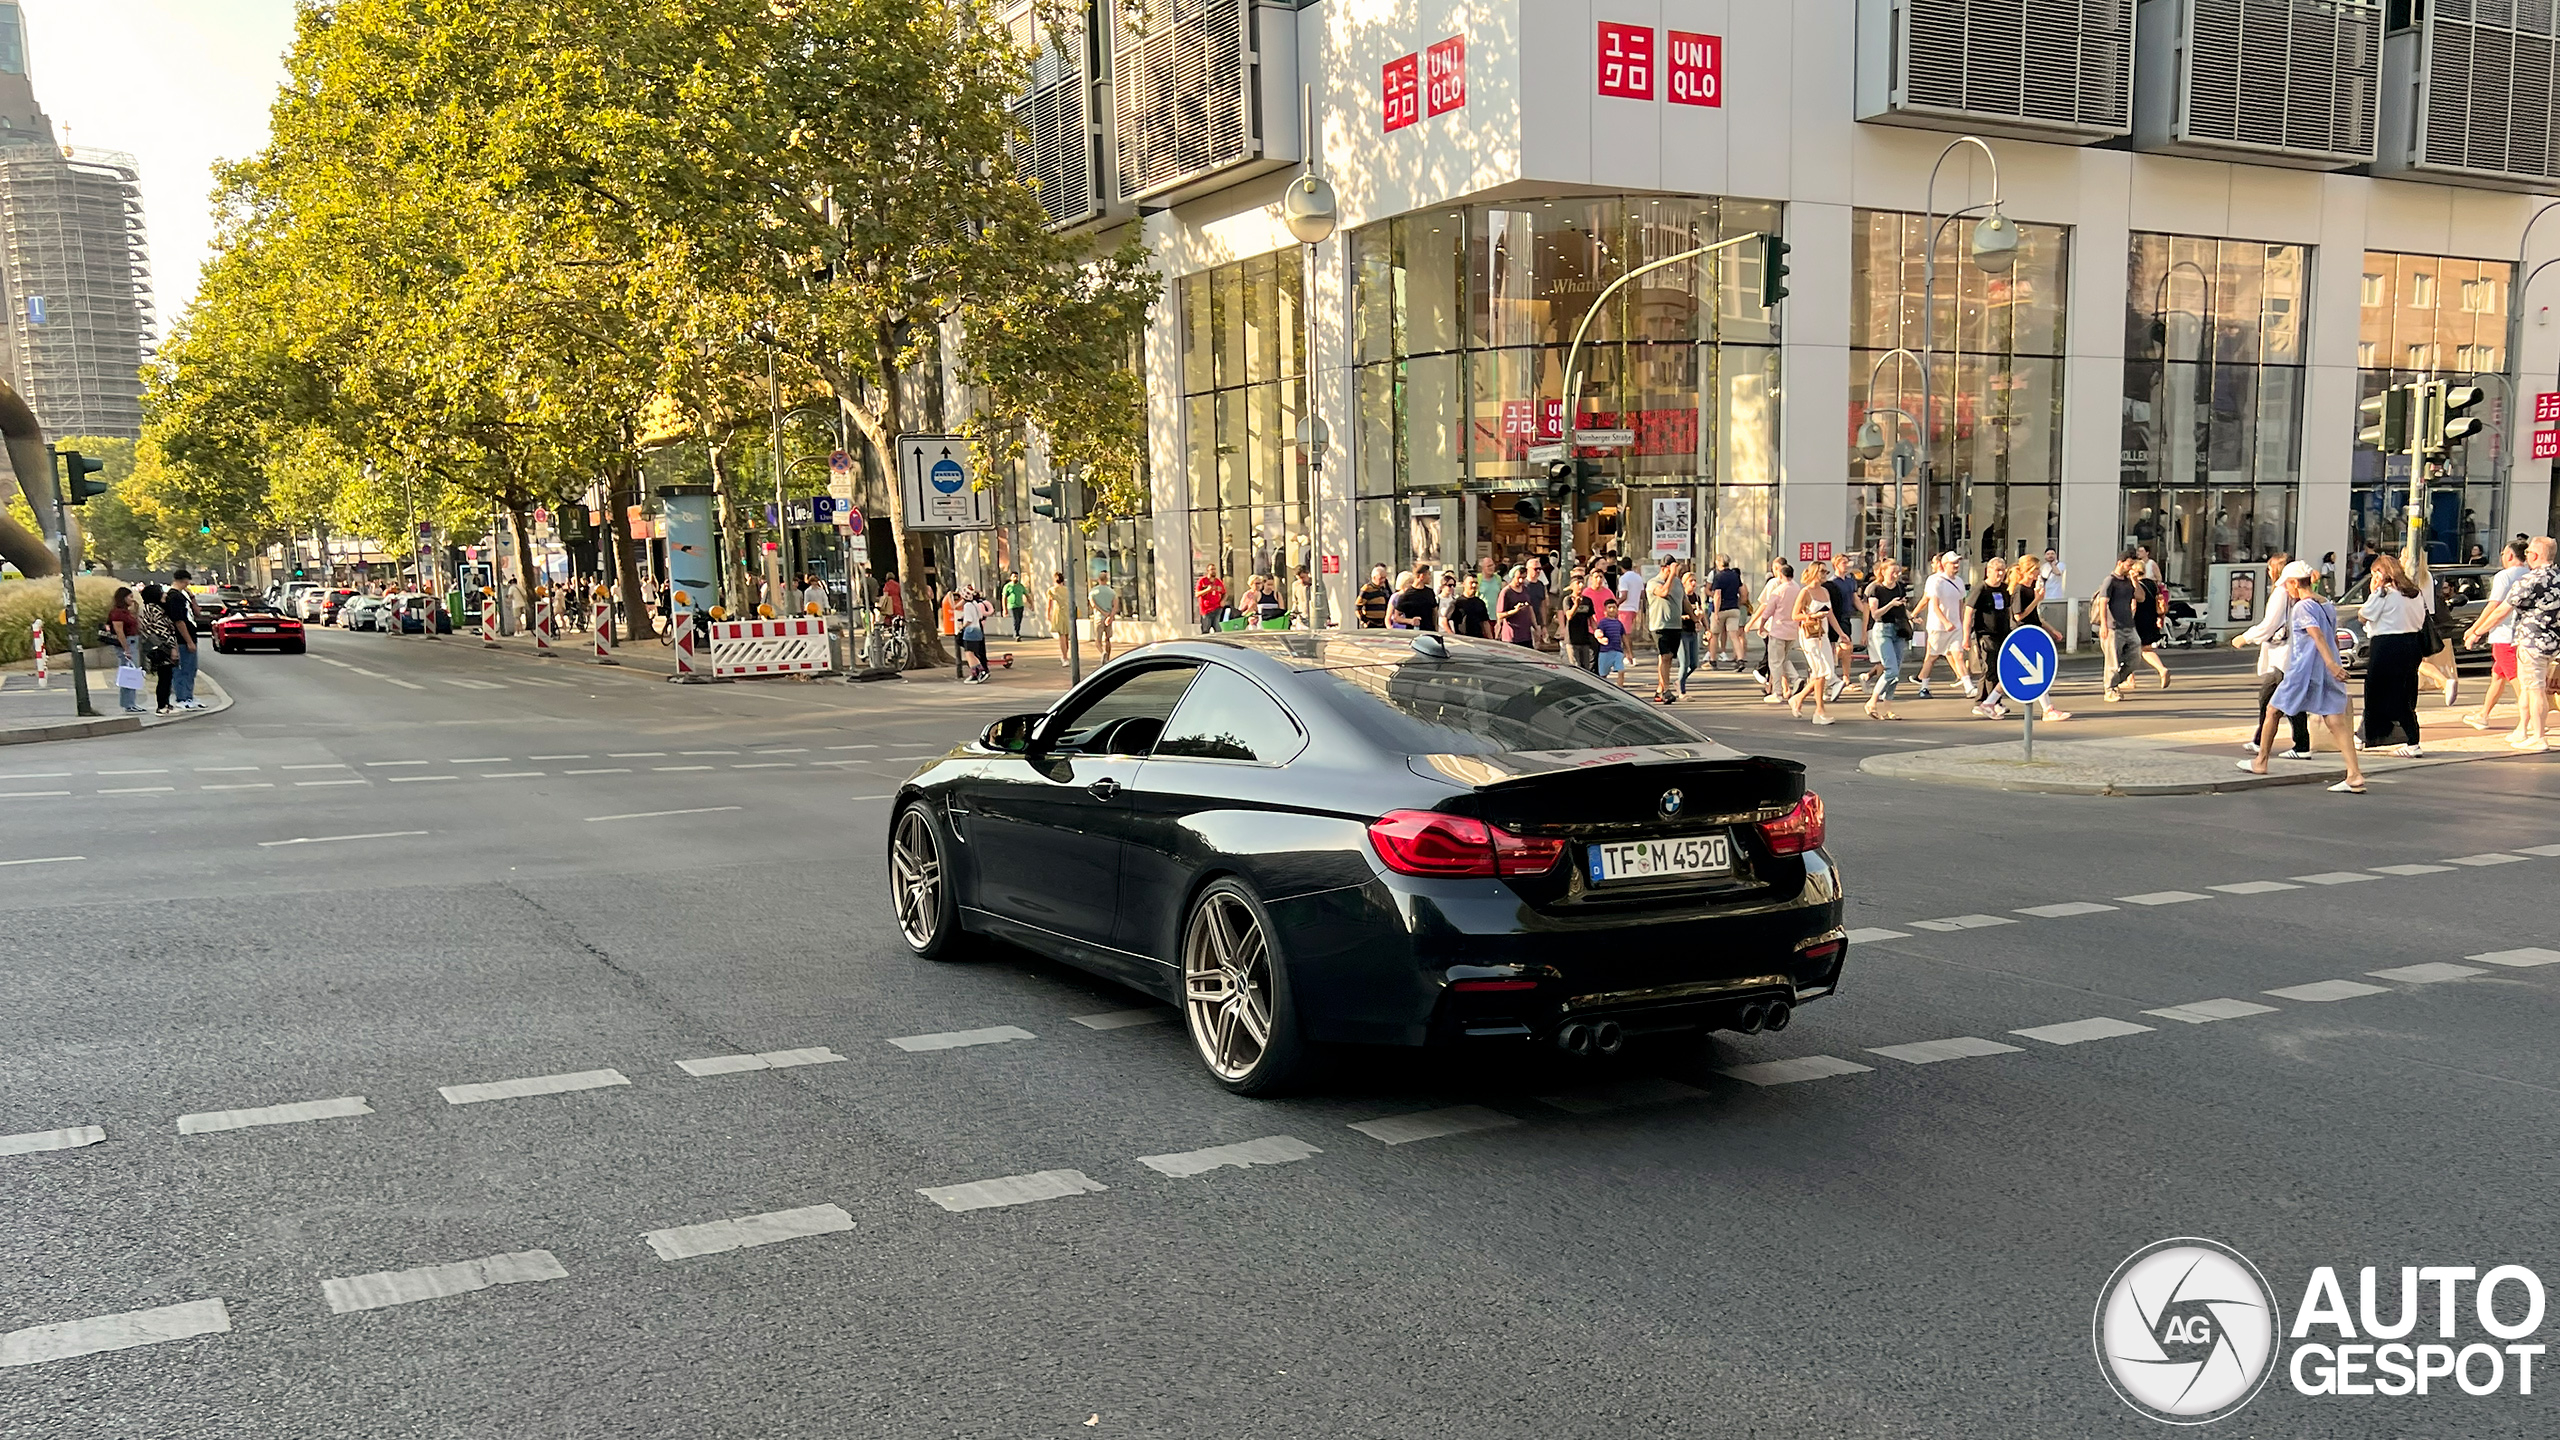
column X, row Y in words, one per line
column 525, row 574
column 623, row 492
column 924, row 606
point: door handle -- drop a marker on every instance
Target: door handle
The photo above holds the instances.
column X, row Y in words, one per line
column 1104, row 788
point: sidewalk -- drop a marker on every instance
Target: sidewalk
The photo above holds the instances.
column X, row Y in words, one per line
column 1035, row 665
column 2186, row 762
column 28, row 714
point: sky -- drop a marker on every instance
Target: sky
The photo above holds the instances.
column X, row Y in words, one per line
column 180, row 84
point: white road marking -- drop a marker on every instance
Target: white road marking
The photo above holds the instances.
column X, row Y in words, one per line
column 509, row 774
column 2075, row 1032
column 1123, row 1019
column 2163, row 897
column 2494, row 857
column 766, row 765
column 526, row 680
column 616, row 770
column 244, row 785
column 656, row 814
column 2205, row 1012
column 140, row 790
column 222, row 769
column 332, row 839
column 1962, row 922
column 706, row 752
column 1243, row 1155
column 2328, row 990
column 378, row 764
column 818, row 763
column 30, row 794
column 2254, row 887
column 635, row 755
column 559, row 757
column 1930, row 1052
column 71, row 1139
column 403, row 684
column 853, row 747
column 418, row 779
column 2334, row 877
column 664, row 769
column 1432, row 1124
column 476, row 684
column 306, row 784
column 1872, row 933
column 2429, row 973
column 1789, row 1072
column 531, row 1085
column 2066, row 909
column 133, row 772
column 331, row 765
column 769, row 1060
column 45, row 860
column 214, row 1121
column 325, row 660
column 351, row 1293
column 871, row 797
column 2524, row 959
column 1012, row 1190
column 2538, row 849
column 2412, row 869
column 717, row 1237
column 40, row 775
column 790, row 750
column 1622, row 1095
column 39, row 1343
column 957, row 1039
column 479, row 760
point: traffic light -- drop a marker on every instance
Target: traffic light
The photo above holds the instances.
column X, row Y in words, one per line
column 1773, row 271
column 79, row 487
column 204, row 527
column 2385, row 420
column 2450, row 422
column 1060, row 500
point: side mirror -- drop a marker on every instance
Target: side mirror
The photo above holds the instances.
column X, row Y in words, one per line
column 1010, row 735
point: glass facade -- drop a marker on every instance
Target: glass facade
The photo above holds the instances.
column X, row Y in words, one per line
column 2430, row 317
column 1461, row 320
column 1244, row 391
column 1995, row 382
column 2214, row 383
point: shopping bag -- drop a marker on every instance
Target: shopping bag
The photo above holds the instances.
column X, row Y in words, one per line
column 130, row 677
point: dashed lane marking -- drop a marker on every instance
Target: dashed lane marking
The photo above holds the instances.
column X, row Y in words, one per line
column 509, row 774
column 2412, row 869
column 1013, row 1190
column 214, row 1121
column 1622, row 1095
column 140, row 790
column 715, row 1237
column 40, row 775
column 2523, row 959
column 2428, row 973
column 386, row 1288
column 44, row 860
column 2538, row 850
column 1432, row 1124
column 1243, row 1155
column 657, row 814
column 1123, row 1019
column 420, row 779
column 559, row 757
column 792, row 750
column 2494, row 857
column 635, row 755
column 766, row 765
column 133, row 772
column 671, row 769
column 379, row 764
column 2254, row 887
column 244, row 785
column 38, row 1344
column 853, row 747
column 2066, row 909
column 223, row 769
column 1930, row 1052
column 333, row 839
column 2163, row 897
column 960, row 1039
column 1872, row 933
column 2205, row 1012
column 531, row 1085
column 1801, row 1068
column 2328, row 990
column 2334, row 877
column 479, row 760
column 769, row 1060
column 2079, row 1032
column 42, row 1140
column 306, row 784
column 331, row 765
column 706, row 752
column 476, row 684
column 1962, row 922
column 614, row 770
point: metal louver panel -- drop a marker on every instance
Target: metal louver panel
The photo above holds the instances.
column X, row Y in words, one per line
column 2483, row 112
column 2290, row 81
column 1055, row 148
column 2045, row 69
column 1181, row 93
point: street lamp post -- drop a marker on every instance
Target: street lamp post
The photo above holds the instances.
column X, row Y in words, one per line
column 2514, row 368
column 1871, row 435
column 1311, row 211
column 1995, row 249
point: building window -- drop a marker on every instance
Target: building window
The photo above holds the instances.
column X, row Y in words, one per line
column 2364, row 353
column 2463, row 506
column 1244, row 392
column 2374, row 294
column 2480, row 297
column 2422, row 290
column 2214, row 384
column 1995, row 403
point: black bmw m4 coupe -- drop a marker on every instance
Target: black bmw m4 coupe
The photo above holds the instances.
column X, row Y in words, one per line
column 1314, row 840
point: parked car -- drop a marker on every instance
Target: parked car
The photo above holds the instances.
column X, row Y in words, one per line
column 257, row 625
column 2462, row 592
column 326, row 605
column 364, row 612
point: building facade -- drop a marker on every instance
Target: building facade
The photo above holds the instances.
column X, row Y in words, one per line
column 2234, row 220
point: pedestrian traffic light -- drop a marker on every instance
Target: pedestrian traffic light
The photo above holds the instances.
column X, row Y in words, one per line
column 2385, row 420
column 2451, row 423
column 1773, row 271
column 1060, row 500
column 204, row 527
column 79, row 487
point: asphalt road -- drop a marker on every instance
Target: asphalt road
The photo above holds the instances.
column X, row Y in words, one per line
column 398, row 866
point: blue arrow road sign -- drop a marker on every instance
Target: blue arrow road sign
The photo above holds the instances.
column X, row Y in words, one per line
column 2028, row 664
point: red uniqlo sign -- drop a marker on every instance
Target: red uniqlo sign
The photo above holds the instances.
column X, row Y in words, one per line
column 1809, row 552
column 1333, row 564
column 2546, row 444
column 1444, row 71
column 2546, row 408
column 1400, row 92
column 1693, row 70
column 1626, row 60
column 1533, row 419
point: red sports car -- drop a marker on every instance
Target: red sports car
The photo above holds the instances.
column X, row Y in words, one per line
column 257, row 627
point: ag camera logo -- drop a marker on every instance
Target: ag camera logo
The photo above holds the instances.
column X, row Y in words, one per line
column 2186, row 1330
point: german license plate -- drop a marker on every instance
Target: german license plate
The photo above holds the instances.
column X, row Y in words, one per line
column 262, row 629
column 1657, row 859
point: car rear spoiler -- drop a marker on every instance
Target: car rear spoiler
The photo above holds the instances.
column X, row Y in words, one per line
column 1486, row 772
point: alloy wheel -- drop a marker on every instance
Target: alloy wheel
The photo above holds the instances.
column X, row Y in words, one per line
column 915, row 872
column 1226, row 985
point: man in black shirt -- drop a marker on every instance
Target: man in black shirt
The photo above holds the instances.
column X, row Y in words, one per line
column 1417, row 606
column 2118, row 640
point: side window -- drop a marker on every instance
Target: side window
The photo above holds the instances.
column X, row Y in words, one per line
column 1224, row 716
column 1124, row 719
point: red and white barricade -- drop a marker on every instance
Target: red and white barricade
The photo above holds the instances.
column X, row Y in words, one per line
column 542, row 624
column 684, row 650
column 604, row 627
column 489, row 619
column 44, row 677
column 770, row 647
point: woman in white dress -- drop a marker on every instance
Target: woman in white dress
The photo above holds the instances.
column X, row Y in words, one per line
column 1819, row 632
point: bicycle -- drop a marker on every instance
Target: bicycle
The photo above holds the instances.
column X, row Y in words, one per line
column 884, row 645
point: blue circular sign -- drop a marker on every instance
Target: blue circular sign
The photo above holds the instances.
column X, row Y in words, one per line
column 2028, row 663
column 948, row 477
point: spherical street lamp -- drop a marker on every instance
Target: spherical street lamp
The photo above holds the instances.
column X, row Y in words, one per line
column 1870, row 439
column 1308, row 209
column 1995, row 244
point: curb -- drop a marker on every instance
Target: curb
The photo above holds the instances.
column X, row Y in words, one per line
column 117, row 724
column 1883, row 767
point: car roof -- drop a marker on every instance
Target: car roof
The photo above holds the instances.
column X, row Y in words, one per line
column 1357, row 649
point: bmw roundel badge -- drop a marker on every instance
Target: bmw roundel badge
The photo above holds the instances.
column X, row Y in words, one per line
column 1671, row 802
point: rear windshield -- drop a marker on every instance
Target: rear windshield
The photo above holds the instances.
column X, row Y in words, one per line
column 1461, row 706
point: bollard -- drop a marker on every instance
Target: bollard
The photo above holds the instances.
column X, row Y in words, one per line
column 542, row 621
column 684, row 648
column 44, row 679
column 604, row 627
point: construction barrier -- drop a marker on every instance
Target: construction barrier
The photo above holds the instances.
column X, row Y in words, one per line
column 684, row 648
column 488, row 619
column 604, row 627
column 542, row 623
column 44, row 678
column 770, row 647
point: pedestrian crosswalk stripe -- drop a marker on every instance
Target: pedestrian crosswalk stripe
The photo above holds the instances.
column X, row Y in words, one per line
column 1929, row 1052
column 1243, row 1155
column 2334, row 877
column 1962, row 922
column 2254, row 887
column 352, row 1293
column 2328, row 990
column 42, row 1140
column 38, row 1344
column 1012, row 1190
column 2205, row 1012
column 2538, row 849
column 1123, row 1019
column 769, row 1060
column 531, row 1085
column 1788, row 1072
column 2163, row 897
column 2076, row 1032
column 1432, row 1124
column 213, row 1121
column 2412, row 869
column 714, row 1237
column 2067, row 909
column 2429, row 973
column 2494, row 857
column 2518, row 959
column 1872, row 933
column 959, row 1039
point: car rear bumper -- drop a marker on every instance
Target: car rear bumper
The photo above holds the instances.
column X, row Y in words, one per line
column 1413, row 962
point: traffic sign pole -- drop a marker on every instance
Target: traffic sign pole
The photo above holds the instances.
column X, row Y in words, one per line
column 2025, row 670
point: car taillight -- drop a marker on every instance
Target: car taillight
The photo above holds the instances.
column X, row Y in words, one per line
column 1796, row 831
column 1426, row 842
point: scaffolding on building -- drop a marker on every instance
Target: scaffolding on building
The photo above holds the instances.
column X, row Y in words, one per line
column 77, row 319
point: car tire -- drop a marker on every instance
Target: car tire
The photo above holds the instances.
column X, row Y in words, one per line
column 920, row 887
column 1234, row 981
